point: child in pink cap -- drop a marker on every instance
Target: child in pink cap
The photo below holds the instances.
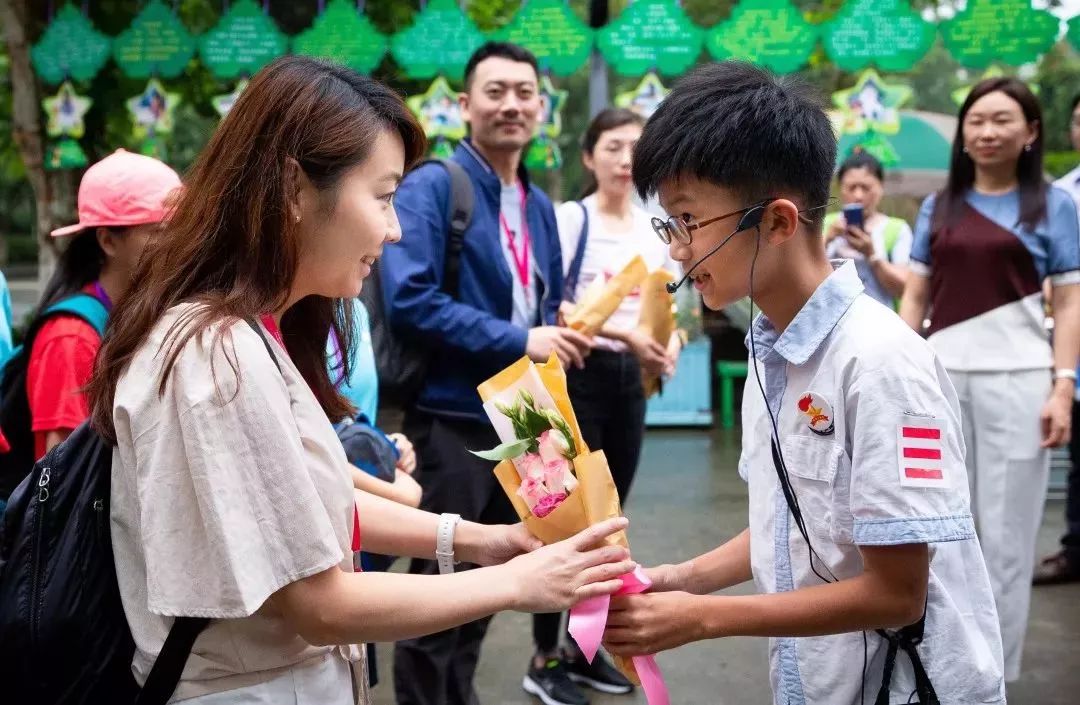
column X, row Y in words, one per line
column 122, row 201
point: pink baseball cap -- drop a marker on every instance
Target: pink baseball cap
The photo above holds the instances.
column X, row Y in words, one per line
column 123, row 189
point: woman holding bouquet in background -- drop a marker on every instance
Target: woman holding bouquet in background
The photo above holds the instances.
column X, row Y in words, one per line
column 232, row 497
column 600, row 235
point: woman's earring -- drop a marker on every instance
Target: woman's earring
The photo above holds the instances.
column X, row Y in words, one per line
column 298, row 218
column 964, row 150
column 1027, row 147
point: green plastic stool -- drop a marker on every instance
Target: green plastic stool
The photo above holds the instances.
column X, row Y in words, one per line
column 728, row 371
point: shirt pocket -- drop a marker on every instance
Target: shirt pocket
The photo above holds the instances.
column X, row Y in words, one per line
column 812, row 465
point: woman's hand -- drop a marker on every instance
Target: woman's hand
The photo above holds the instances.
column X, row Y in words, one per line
column 557, row 577
column 651, row 354
column 674, row 349
column 1056, row 418
column 492, row 544
column 860, row 241
column 406, row 453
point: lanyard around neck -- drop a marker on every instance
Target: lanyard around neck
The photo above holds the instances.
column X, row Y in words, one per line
column 521, row 257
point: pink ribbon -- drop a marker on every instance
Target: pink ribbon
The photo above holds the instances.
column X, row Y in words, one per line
column 588, row 620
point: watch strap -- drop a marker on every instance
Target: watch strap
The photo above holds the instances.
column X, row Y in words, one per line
column 444, row 543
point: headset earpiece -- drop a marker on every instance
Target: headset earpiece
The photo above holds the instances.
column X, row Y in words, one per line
column 752, row 218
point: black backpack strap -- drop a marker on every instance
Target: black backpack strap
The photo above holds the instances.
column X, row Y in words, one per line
column 460, row 212
column 571, row 280
column 262, row 336
column 165, row 674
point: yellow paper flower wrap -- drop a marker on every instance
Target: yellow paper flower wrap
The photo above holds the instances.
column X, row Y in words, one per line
column 595, row 498
column 657, row 318
column 600, row 302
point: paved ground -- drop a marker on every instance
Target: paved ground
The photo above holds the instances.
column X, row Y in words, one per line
column 688, row 499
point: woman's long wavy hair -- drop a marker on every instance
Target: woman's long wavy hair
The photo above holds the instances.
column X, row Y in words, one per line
column 231, row 244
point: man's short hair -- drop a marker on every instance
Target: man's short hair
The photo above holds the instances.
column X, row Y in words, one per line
column 504, row 50
column 737, row 126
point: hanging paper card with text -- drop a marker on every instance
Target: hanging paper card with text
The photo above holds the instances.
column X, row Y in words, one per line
column 651, row 35
column 772, row 33
column 441, row 40
column 70, row 48
column 884, row 33
column 156, row 44
column 553, row 33
column 244, row 40
column 345, row 35
column 1009, row 31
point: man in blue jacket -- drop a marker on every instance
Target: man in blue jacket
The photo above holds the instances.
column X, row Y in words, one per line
column 508, row 296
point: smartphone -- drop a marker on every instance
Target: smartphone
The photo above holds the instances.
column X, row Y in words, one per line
column 853, row 215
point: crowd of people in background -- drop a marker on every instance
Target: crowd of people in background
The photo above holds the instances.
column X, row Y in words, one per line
column 168, row 299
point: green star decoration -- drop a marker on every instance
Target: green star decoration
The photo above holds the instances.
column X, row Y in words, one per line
column 244, row 40
column 65, row 111
column 645, row 98
column 871, row 105
column 651, row 35
column 224, row 103
column 438, row 111
column 156, row 44
column 441, row 40
column 1073, row 33
column 550, row 30
column 885, row 33
column 977, row 36
column 345, row 35
column 771, row 33
column 550, row 124
column 153, row 110
column 70, row 47
column 543, row 155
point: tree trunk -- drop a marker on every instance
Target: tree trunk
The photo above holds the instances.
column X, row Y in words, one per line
column 53, row 191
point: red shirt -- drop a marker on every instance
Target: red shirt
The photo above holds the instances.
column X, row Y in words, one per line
column 61, row 364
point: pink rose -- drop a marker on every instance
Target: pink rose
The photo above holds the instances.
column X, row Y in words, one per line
column 557, row 475
column 553, row 446
column 530, row 465
column 548, row 504
column 532, row 491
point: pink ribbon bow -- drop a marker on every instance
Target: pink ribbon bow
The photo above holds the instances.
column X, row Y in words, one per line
column 588, row 620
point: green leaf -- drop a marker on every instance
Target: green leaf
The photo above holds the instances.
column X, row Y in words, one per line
column 977, row 36
column 70, row 47
column 505, row 451
column 886, row 33
column 156, row 43
column 771, row 33
column 345, row 35
column 651, row 35
column 553, row 33
column 245, row 40
column 441, row 40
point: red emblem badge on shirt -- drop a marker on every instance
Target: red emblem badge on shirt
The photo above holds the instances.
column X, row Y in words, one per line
column 920, row 452
column 818, row 413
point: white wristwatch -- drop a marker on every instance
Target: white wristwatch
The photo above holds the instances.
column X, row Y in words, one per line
column 1065, row 374
column 444, row 543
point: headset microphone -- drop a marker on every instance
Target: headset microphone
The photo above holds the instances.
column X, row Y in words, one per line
column 750, row 219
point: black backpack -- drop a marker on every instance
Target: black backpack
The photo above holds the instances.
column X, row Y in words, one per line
column 64, row 638
column 15, row 420
column 401, row 363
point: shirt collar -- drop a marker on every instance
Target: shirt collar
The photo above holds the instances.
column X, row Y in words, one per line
column 815, row 320
column 468, row 147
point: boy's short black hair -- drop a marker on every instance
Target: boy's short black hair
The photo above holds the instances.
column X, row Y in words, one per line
column 504, row 50
column 737, row 126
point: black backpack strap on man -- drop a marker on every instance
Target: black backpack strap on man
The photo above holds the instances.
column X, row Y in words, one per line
column 401, row 364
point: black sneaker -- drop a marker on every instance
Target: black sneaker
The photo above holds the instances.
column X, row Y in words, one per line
column 551, row 684
column 599, row 675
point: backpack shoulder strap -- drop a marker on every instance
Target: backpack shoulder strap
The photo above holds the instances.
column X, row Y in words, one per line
column 891, row 235
column 88, row 308
column 574, row 273
column 169, row 665
column 460, row 212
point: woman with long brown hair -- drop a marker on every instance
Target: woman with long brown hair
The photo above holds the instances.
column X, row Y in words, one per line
column 231, row 495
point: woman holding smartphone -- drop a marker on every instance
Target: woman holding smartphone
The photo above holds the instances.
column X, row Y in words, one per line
column 879, row 245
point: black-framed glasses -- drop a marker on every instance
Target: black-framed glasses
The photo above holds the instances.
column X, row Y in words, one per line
column 677, row 228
